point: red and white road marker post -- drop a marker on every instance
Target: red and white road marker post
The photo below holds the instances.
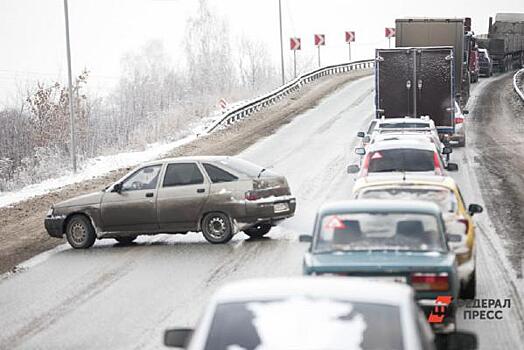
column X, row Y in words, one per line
column 320, row 40
column 295, row 45
column 350, row 37
column 390, row 33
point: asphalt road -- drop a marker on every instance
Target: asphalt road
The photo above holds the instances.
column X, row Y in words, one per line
column 124, row 297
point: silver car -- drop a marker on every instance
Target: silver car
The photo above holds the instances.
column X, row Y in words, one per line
column 219, row 196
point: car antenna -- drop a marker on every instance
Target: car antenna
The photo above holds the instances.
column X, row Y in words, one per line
column 261, row 171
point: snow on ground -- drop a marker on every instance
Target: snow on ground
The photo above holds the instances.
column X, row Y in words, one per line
column 104, row 164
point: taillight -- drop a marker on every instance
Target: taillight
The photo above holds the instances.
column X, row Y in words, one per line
column 459, row 120
column 252, row 195
column 365, row 165
column 436, row 163
column 430, row 281
column 466, row 223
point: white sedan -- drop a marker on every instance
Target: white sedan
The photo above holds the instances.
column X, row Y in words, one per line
column 313, row 313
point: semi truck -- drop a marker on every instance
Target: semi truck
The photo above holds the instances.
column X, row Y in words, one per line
column 454, row 32
column 505, row 41
column 417, row 81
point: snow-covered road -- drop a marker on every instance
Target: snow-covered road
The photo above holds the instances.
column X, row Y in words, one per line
column 124, row 297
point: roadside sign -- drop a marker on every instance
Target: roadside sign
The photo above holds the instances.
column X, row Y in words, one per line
column 295, row 43
column 320, row 39
column 350, row 37
column 222, row 103
column 390, row 32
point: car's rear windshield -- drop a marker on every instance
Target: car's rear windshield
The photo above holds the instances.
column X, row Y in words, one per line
column 443, row 197
column 409, row 125
column 305, row 323
column 244, row 167
column 379, row 231
column 401, row 159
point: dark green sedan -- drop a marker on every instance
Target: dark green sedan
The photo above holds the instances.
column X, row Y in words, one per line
column 386, row 240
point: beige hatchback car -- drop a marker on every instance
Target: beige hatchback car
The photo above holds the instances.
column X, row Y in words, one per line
column 219, row 196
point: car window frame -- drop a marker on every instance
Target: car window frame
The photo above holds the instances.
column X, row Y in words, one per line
column 202, row 164
column 204, row 178
column 129, row 176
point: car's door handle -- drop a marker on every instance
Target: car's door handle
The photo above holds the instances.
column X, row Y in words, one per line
column 201, row 190
column 149, row 194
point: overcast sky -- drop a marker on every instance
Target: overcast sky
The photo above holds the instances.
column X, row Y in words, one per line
column 33, row 40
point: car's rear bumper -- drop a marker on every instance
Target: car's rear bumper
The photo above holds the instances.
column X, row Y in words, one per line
column 272, row 210
column 54, row 225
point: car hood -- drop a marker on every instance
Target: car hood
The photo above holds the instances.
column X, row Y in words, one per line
column 366, row 261
column 86, row 199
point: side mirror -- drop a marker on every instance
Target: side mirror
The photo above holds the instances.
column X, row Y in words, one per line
column 456, row 341
column 178, row 337
column 465, row 112
column 117, row 187
column 360, row 151
column 305, row 238
column 475, row 208
column 452, row 167
column 353, row 169
column 361, row 134
column 447, row 150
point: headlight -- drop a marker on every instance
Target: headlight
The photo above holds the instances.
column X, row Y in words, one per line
column 50, row 212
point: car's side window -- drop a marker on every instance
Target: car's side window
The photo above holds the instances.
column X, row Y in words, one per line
column 143, row 179
column 217, row 174
column 181, row 174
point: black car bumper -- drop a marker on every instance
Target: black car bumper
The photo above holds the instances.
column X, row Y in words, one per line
column 54, row 226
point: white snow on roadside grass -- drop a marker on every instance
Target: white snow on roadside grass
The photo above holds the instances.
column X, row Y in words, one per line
column 92, row 168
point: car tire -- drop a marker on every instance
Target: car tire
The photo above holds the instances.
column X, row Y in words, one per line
column 470, row 289
column 217, row 228
column 258, row 231
column 79, row 232
column 125, row 240
column 462, row 142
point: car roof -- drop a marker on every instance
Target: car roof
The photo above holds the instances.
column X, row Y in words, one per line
column 405, row 143
column 399, row 135
column 403, row 120
column 378, row 206
column 188, row 159
column 396, row 179
column 350, row 289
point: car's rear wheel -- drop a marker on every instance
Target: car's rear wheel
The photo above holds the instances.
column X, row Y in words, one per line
column 258, row 231
column 470, row 289
column 125, row 240
column 217, row 228
column 79, row 232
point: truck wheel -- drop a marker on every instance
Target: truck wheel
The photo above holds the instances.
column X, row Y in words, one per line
column 470, row 289
column 258, row 231
column 217, row 228
column 80, row 233
column 125, row 240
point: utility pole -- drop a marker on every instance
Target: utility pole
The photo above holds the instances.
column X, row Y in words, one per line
column 281, row 41
column 71, row 110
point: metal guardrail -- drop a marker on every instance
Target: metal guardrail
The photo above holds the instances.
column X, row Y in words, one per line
column 518, row 78
column 266, row 100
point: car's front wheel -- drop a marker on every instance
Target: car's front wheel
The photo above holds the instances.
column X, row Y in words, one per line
column 217, row 228
column 258, row 231
column 125, row 240
column 80, row 233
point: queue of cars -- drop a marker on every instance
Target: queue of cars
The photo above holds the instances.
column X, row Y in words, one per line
column 404, row 241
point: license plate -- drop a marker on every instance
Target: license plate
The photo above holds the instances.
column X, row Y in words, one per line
column 397, row 279
column 280, row 207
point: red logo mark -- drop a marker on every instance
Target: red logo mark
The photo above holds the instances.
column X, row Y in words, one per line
column 439, row 310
